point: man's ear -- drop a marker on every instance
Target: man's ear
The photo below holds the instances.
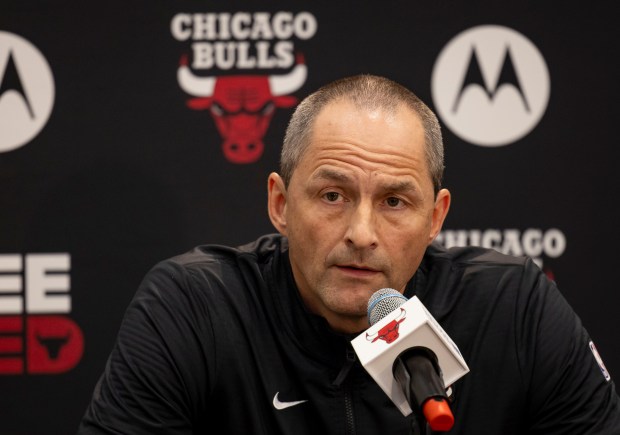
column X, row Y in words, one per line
column 440, row 211
column 276, row 202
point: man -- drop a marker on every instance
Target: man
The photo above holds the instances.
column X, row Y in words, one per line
column 256, row 339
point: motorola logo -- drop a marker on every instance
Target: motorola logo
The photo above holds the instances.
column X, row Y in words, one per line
column 26, row 91
column 490, row 85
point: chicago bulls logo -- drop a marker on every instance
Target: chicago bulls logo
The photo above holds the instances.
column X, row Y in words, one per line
column 242, row 106
column 389, row 332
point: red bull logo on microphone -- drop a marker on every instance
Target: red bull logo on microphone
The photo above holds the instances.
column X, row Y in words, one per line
column 389, row 332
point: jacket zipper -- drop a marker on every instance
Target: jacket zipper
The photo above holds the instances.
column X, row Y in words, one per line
column 342, row 380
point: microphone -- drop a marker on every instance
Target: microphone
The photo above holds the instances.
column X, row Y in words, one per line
column 416, row 369
column 410, row 356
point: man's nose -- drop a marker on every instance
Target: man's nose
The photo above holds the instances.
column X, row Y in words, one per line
column 362, row 230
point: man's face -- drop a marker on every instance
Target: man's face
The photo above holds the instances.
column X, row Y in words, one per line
column 359, row 210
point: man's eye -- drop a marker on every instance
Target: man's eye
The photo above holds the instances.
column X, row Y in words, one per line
column 393, row 201
column 332, row 196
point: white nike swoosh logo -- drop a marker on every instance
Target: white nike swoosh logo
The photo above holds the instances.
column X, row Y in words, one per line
column 283, row 405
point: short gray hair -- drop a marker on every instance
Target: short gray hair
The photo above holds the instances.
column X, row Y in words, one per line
column 364, row 91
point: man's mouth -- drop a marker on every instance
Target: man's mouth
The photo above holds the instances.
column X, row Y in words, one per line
column 357, row 269
column 357, row 266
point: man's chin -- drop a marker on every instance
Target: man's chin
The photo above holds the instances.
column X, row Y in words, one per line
column 351, row 304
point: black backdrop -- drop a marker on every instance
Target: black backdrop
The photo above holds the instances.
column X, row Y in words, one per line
column 124, row 173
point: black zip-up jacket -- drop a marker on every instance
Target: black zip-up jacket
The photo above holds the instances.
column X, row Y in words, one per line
column 218, row 341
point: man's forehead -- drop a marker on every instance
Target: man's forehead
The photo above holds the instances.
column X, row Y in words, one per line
column 345, row 135
column 344, row 117
column 387, row 181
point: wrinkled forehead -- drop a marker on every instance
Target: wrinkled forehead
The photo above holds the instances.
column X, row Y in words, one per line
column 376, row 129
column 382, row 142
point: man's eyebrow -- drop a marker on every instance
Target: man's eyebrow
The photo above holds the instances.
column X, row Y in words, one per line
column 399, row 186
column 390, row 186
column 330, row 174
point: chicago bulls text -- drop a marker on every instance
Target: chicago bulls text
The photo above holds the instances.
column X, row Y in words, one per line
column 243, row 40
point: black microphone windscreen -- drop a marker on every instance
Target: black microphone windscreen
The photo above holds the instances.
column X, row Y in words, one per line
column 382, row 302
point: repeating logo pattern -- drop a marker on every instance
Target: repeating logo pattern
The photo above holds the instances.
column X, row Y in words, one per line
column 224, row 47
column 490, row 85
column 36, row 335
column 26, row 91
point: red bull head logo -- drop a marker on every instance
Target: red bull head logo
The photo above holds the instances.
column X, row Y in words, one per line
column 389, row 332
column 242, row 106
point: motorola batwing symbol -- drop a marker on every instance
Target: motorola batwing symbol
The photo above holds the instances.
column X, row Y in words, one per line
column 490, row 85
column 26, row 91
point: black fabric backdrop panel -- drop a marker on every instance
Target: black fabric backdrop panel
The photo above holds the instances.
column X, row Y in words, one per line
column 124, row 173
